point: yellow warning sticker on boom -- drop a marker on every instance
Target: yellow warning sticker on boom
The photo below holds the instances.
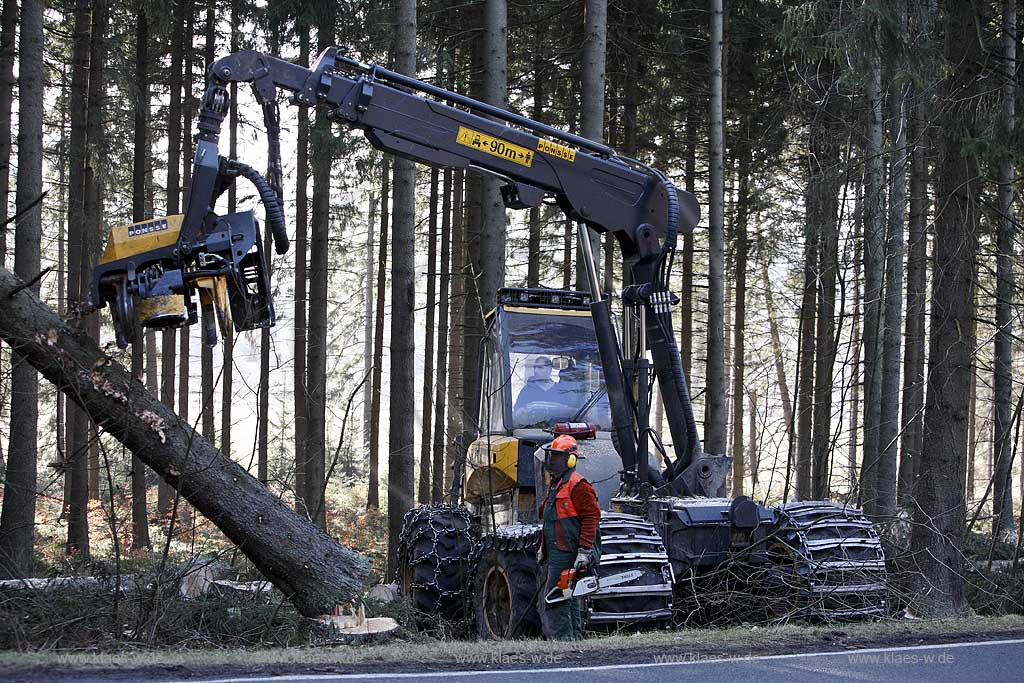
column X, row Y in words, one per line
column 556, row 150
column 495, row 146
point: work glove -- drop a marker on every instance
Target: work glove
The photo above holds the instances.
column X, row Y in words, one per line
column 582, row 560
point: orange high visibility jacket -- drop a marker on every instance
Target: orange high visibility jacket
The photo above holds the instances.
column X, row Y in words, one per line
column 577, row 513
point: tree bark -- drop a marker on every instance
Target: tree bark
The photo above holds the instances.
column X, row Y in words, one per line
column 592, row 82
column 917, row 274
column 1002, row 490
column 874, row 265
column 687, row 301
column 8, row 27
column 17, row 519
column 826, row 174
column 457, row 399
column 940, row 517
column 402, row 404
column 79, row 259
column 426, row 410
column 368, row 318
column 227, row 371
column 140, row 518
column 714, row 395
column 856, row 343
column 888, row 427
column 312, row 569
column 805, row 371
column 299, row 389
column 437, row 488
column 373, row 491
column 739, row 321
column 316, row 340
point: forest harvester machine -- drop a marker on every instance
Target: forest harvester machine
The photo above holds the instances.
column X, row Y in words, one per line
column 665, row 523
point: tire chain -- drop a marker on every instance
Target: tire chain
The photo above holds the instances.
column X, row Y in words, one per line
column 438, row 524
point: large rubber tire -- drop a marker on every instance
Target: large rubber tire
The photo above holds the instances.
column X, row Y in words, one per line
column 505, row 593
column 434, row 558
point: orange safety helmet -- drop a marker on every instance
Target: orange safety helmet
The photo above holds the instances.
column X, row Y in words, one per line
column 564, row 444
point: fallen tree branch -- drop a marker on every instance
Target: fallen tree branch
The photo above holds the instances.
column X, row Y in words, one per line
column 301, row 560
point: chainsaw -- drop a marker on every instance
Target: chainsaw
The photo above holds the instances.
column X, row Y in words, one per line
column 571, row 584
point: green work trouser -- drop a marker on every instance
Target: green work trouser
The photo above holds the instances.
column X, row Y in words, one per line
column 563, row 619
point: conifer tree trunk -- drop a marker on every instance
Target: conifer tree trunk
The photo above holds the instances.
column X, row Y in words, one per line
column 457, row 399
column 805, row 383
column 373, row 491
column 687, row 300
column 188, row 85
column 402, row 403
column 917, row 273
column 855, row 342
column 714, row 400
column 888, row 428
column 426, row 443
column 776, row 337
column 227, row 371
column 205, row 350
column 368, row 319
column 437, row 487
column 940, row 516
column 300, row 392
column 316, row 340
column 17, row 519
column 75, row 425
column 1002, row 490
column 140, row 518
column 8, row 25
column 874, row 266
column 825, row 169
column 533, row 250
column 739, row 322
column 592, row 83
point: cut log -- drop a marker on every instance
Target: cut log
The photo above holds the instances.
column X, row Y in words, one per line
column 355, row 628
column 303, row 562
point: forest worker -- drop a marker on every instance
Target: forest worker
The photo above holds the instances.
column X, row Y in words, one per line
column 571, row 517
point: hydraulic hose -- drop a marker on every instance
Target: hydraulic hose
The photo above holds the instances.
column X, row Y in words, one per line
column 275, row 213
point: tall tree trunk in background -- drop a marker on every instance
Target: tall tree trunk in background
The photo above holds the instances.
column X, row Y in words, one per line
column 426, row 445
column 8, row 26
column 714, row 394
column 368, row 318
column 940, row 516
column 1002, row 491
column 227, row 371
column 592, row 81
column 77, row 475
column 17, row 519
column 140, row 142
column 206, row 381
column 168, row 350
column 739, row 321
column 914, row 332
column 437, row 487
column 187, row 107
column 687, row 300
column 373, row 491
column 457, row 400
column 263, row 433
column 753, row 452
column 300, row 392
column 874, row 266
column 855, row 342
column 888, row 427
column 485, row 220
column 539, row 94
column 402, row 403
column 776, row 337
column 805, row 371
column 827, row 173
column 95, row 226
column 567, row 234
column 316, row 340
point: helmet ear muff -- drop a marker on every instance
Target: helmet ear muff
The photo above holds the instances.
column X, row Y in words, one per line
column 571, row 462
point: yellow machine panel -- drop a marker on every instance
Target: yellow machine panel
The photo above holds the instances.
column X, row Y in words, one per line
column 137, row 238
column 492, row 465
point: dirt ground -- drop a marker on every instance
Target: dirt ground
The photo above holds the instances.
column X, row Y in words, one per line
column 436, row 655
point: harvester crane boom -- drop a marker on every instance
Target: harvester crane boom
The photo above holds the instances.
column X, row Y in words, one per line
column 427, row 124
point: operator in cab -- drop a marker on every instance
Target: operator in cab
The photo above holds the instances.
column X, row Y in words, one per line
column 572, row 540
column 539, row 388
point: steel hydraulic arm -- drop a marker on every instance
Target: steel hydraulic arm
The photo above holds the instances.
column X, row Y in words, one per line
column 220, row 260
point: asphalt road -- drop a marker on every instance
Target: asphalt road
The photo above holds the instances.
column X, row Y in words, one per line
column 978, row 661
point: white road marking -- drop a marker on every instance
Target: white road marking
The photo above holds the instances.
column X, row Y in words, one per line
column 570, row 669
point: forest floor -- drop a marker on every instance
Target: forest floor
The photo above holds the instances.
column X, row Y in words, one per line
column 419, row 654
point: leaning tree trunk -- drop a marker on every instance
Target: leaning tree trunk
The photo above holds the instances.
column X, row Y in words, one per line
column 306, row 564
